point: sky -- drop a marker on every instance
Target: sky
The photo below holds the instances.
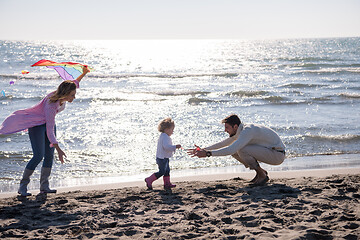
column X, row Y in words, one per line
column 178, row 19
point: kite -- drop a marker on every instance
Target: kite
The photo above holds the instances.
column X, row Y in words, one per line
column 66, row 70
column 24, row 72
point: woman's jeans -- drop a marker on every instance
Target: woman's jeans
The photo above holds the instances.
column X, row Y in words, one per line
column 164, row 168
column 41, row 147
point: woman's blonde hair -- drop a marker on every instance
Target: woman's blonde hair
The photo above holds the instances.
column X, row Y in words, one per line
column 166, row 123
column 64, row 89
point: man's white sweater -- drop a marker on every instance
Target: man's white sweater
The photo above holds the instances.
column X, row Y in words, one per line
column 248, row 134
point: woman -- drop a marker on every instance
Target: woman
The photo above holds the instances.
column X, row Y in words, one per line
column 40, row 121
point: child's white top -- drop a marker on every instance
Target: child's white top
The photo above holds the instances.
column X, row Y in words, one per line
column 165, row 148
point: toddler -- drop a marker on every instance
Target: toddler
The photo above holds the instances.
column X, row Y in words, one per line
column 165, row 150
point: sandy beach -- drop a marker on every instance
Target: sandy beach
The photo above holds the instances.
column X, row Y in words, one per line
column 319, row 204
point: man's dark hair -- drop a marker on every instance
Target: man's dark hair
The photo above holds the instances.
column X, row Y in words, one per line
column 232, row 120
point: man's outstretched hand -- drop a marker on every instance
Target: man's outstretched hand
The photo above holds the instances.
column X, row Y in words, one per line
column 196, row 152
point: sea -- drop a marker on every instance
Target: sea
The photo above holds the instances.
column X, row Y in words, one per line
column 307, row 90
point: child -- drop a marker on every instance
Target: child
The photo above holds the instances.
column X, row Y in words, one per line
column 165, row 150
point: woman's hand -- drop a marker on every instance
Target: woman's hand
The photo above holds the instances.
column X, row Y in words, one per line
column 85, row 71
column 61, row 153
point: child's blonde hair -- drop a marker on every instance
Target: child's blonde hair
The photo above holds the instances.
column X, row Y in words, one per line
column 166, row 123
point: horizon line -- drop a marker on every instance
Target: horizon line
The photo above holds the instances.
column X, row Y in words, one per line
column 140, row 39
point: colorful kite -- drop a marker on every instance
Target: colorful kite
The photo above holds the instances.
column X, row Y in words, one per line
column 66, row 70
column 24, row 72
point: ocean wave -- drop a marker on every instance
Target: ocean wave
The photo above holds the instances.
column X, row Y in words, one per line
column 327, row 71
column 244, row 93
column 334, row 153
column 322, row 65
column 115, row 99
column 303, row 85
column 275, row 99
column 196, row 101
column 30, row 77
column 309, row 59
column 16, row 98
column 286, row 103
column 313, row 65
column 14, row 156
column 181, row 93
column 322, row 99
column 160, row 75
column 354, row 88
column 346, row 138
column 51, row 76
column 349, row 95
column 146, row 96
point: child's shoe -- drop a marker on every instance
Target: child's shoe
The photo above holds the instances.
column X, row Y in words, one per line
column 149, row 181
column 167, row 183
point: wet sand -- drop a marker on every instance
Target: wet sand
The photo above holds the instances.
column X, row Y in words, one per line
column 326, row 206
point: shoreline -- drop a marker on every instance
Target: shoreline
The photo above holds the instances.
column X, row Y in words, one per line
column 319, row 204
column 301, row 164
column 201, row 175
column 295, row 164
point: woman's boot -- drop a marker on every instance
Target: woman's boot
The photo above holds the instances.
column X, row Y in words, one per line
column 44, row 181
column 24, row 182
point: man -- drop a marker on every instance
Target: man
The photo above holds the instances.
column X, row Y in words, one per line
column 249, row 144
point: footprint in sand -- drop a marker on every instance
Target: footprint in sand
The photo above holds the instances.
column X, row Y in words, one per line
column 230, row 231
column 192, row 216
column 227, row 220
column 165, row 211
